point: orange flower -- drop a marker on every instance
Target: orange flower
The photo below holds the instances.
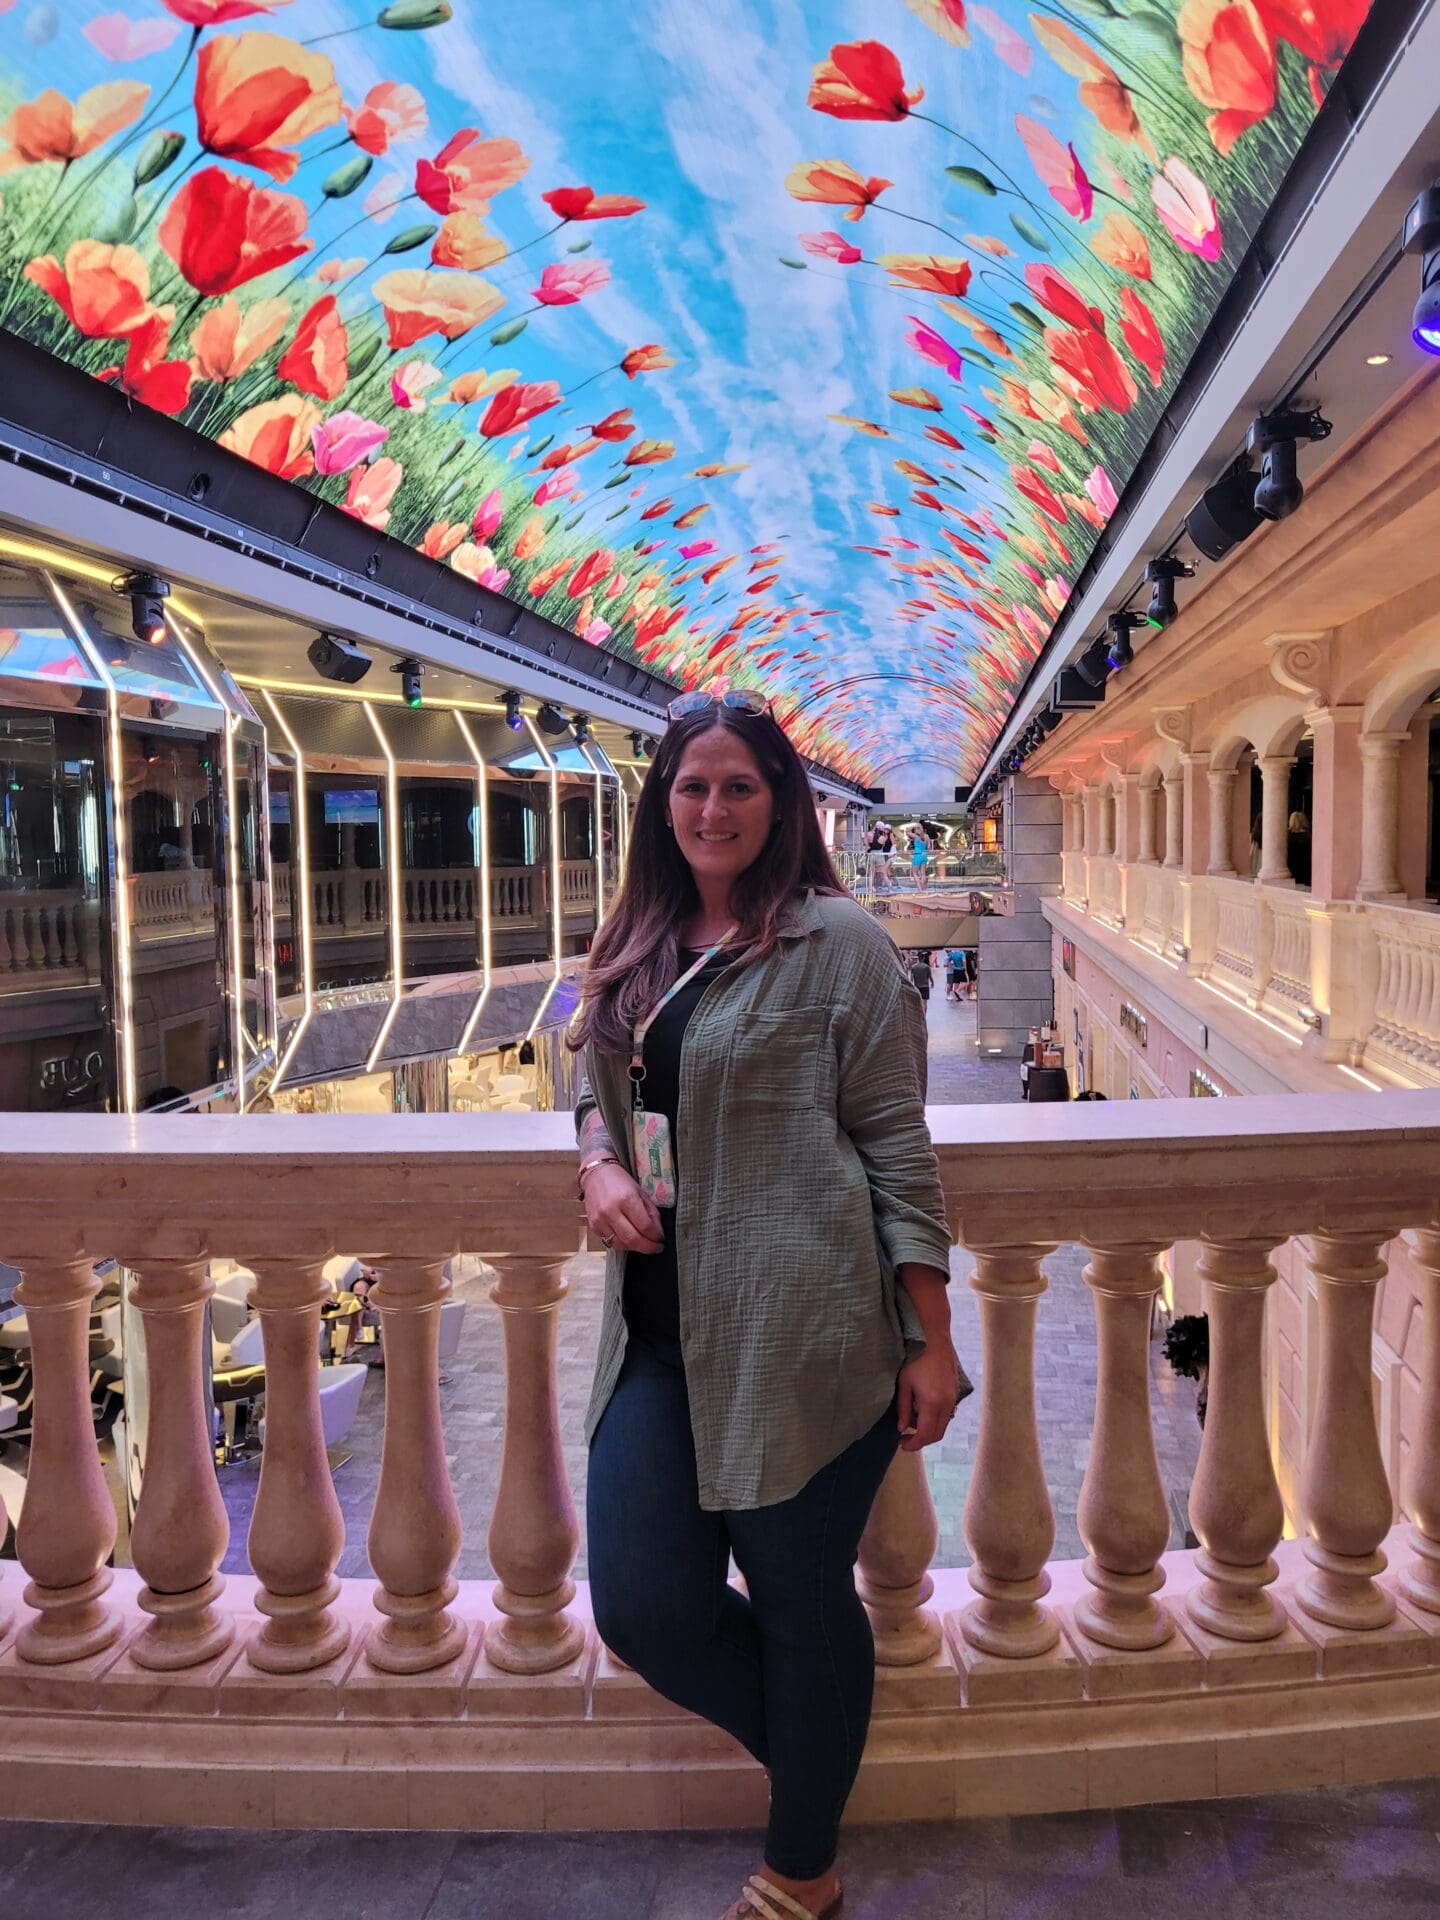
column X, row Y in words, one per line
column 862, row 81
column 50, row 127
column 466, row 387
column 257, row 94
column 418, row 303
column 542, row 581
column 530, row 539
column 830, row 183
column 442, row 537
column 317, row 359
column 371, row 490
column 928, row 272
column 229, row 338
column 1088, row 368
column 615, row 426
column 1229, row 61
column 985, row 335
column 1140, row 333
column 222, row 230
column 648, row 359
column 468, row 172
column 1120, row 243
column 945, row 17
column 103, row 291
column 1102, row 90
column 392, row 110
column 649, row 453
column 276, row 436
column 465, row 241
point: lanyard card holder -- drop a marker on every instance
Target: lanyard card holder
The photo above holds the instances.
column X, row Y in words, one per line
column 650, row 1139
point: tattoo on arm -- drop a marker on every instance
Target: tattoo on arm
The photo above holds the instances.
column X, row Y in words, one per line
column 594, row 1137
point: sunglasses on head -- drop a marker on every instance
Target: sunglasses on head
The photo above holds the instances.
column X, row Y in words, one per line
column 738, row 699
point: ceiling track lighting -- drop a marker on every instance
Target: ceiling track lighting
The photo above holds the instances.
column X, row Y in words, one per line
column 637, row 744
column 550, row 719
column 1421, row 235
column 1162, row 573
column 581, row 724
column 1093, row 666
column 1118, row 650
column 410, row 671
column 148, row 593
column 1225, row 514
column 337, row 659
column 1275, row 437
column 514, row 719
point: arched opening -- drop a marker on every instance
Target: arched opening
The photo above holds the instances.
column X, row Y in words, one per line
column 1300, row 811
column 1430, row 714
column 577, row 828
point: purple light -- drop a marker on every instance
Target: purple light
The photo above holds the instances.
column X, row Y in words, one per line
column 1428, row 338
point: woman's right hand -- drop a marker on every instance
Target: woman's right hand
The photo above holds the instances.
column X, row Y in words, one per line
column 620, row 1212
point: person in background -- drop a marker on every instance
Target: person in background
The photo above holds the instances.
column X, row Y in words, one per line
column 754, row 1156
column 881, row 848
column 922, row 976
column 920, row 858
column 972, row 971
column 956, row 973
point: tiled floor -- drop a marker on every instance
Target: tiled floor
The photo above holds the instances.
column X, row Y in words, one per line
column 1325, row 1855
column 473, row 1393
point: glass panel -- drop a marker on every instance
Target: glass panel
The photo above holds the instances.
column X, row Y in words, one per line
column 440, row 888
column 33, row 643
column 285, row 882
column 145, row 670
column 350, row 894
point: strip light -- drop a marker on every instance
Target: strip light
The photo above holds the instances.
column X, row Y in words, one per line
column 62, row 562
column 482, row 854
column 1373, row 1085
column 119, row 840
column 392, row 850
column 1240, row 1007
column 300, row 820
column 557, row 905
column 599, row 836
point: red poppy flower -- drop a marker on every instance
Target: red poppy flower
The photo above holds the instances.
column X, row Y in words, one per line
column 830, row 183
column 1089, row 369
column 147, row 375
column 1140, row 333
column 468, row 172
column 316, row 361
column 1058, row 296
column 1321, row 30
column 615, row 426
column 648, row 359
column 103, row 290
column 213, row 13
column 1229, row 61
column 222, row 230
column 590, row 572
column 583, row 203
column 258, row 94
column 515, row 404
column 862, row 81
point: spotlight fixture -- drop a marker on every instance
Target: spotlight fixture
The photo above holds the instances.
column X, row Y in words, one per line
column 550, row 719
column 409, row 671
column 637, row 745
column 513, row 719
column 1274, row 437
column 651, row 743
column 1094, row 664
column 1118, row 651
column 337, row 659
column 1225, row 513
column 148, row 594
column 1049, row 720
column 1162, row 573
column 1421, row 235
column 581, row 723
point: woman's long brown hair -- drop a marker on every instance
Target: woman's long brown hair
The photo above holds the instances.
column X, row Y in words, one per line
column 634, row 958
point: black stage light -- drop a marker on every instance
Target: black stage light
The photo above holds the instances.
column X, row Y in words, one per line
column 550, row 719
column 1225, row 513
column 1050, row 719
column 409, row 671
column 526, row 1055
column 1094, row 664
column 1162, row 573
column 581, row 723
column 337, row 659
column 637, row 744
column 1421, row 234
column 512, row 711
column 1274, row 437
column 148, row 594
column 650, row 744
column 1118, row 650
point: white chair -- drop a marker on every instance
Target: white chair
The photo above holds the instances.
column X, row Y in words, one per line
column 9, row 1412
column 227, row 1317
column 341, row 1270
column 340, row 1391
column 452, row 1320
column 247, row 1347
column 15, row 1332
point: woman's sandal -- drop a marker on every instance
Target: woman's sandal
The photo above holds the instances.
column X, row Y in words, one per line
column 761, row 1901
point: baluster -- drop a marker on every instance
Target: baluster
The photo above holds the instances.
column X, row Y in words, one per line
column 1344, row 1492
column 1420, row 1581
column 896, row 1550
column 1235, row 1504
column 181, row 1530
column 414, row 1537
column 533, row 1533
column 7, row 957
column 69, row 943
column 67, row 1528
column 22, row 943
column 409, row 892
column 297, row 1531
column 1009, row 1522
column 49, row 943
column 1123, row 1518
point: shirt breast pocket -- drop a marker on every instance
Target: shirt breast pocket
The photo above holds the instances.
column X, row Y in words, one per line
column 781, row 1061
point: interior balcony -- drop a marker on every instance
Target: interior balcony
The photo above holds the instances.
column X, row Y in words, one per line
column 1021, row 1683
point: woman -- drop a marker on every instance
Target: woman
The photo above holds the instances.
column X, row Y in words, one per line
column 775, row 1316
column 920, row 858
column 881, row 847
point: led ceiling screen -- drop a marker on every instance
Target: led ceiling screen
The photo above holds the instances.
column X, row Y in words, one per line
column 795, row 344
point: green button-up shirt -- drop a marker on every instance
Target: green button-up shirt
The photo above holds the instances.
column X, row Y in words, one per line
column 807, row 1178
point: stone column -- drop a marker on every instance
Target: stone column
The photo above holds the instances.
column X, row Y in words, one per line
column 1175, row 818
column 1420, row 1581
column 181, row 1530
column 1380, row 816
column 1009, row 1522
column 1222, row 801
column 1148, row 798
column 1344, row 1491
column 67, row 1527
column 1274, row 821
column 896, row 1550
column 297, row 1531
column 533, row 1531
column 1235, row 1504
column 1075, row 822
column 1123, row 1517
column 414, row 1537
column 1107, row 808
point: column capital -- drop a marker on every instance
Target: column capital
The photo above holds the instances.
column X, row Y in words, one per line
column 1383, row 744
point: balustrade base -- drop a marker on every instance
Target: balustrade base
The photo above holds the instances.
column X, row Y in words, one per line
column 1046, row 1679
column 499, row 1693
column 1127, row 1673
column 1282, row 1659
column 180, row 1690
column 1400, row 1646
column 376, row 1693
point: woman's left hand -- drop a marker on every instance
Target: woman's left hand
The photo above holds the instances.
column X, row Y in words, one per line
column 927, row 1388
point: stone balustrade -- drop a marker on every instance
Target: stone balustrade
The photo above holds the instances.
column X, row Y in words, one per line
column 164, row 1692
column 163, row 905
column 48, row 938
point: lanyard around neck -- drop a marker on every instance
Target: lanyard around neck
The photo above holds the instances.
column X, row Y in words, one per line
column 642, row 1027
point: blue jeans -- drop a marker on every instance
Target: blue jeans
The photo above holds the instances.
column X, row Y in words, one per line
column 788, row 1671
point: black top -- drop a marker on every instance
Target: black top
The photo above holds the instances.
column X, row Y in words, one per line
column 652, row 1285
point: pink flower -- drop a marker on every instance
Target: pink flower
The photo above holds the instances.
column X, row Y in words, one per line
column 409, row 384
column 477, row 563
column 371, row 490
column 830, row 246
column 1011, row 47
column 1101, row 491
column 697, row 549
column 565, row 282
column 1059, row 167
column 1184, row 203
column 563, row 481
column 933, row 347
column 391, row 111
column 488, row 516
column 334, row 270
column 118, row 38
column 1039, row 455
column 597, row 632
column 385, row 196
column 496, row 578
column 344, row 440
